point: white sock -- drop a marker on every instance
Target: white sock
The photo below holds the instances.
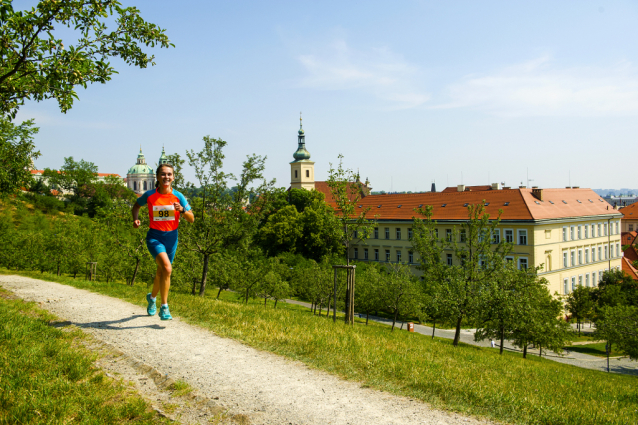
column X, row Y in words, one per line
column 152, row 298
column 164, row 305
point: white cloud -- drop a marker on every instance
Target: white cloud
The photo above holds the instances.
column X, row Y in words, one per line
column 537, row 88
column 378, row 72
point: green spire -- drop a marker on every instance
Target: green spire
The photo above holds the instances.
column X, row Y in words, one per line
column 301, row 153
column 163, row 158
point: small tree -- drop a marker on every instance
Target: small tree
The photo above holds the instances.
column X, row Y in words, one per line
column 459, row 286
column 580, row 304
column 619, row 325
column 17, row 153
column 400, row 291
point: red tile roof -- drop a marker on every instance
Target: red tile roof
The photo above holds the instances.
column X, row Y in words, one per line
column 630, row 211
column 521, row 204
column 628, row 268
column 468, row 188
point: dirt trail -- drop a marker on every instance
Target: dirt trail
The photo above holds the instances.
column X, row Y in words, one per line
column 264, row 388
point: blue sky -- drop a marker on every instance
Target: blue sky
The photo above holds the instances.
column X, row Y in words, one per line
column 409, row 92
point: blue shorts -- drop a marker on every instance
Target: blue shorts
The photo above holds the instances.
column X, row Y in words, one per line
column 158, row 241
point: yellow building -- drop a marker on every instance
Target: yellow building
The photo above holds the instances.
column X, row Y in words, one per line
column 573, row 233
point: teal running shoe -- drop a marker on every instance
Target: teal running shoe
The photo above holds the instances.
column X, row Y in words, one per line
column 151, row 309
column 164, row 314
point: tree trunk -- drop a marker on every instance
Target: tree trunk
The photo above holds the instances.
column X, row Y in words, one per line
column 74, row 274
column 367, row 317
column 457, row 333
column 265, row 301
column 219, row 292
column 394, row 319
column 329, row 302
column 194, row 288
column 275, row 303
column 578, row 325
column 58, row 268
column 433, row 327
column 502, row 339
column 137, row 267
column 525, row 351
column 540, row 350
column 202, row 287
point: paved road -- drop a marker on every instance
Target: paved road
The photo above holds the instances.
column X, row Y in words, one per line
column 616, row 365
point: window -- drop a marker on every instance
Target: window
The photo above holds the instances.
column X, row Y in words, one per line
column 376, row 254
column 580, row 256
column 410, row 257
column 580, row 280
column 387, row 233
column 509, row 259
column 564, row 233
column 522, row 263
column 365, row 253
column 593, row 279
column 618, row 250
column 616, row 231
column 398, row 233
column 586, row 255
column 387, row 255
column 134, row 185
column 593, row 254
column 509, row 236
column 307, row 173
column 605, row 227
column 606, row 253
column 522, row 237
column 573, row 258
column 449, row 259
column 571, row 233
column 356, row 253
column 436, row 233
column 463, row 236
column 600, row 253
column 586, row 231
column 573, row 283
column 565, row 286
column 587, row 280
column 496, row 236
column 599, row 230
column 355, row 234
column 398, row 256
column 548, row 234
column 410, row 234
column 376, row 233
column 631, row 227
column 565, row 264
column 144, row 184
column 593, row 230
column 295, row 173
column 448, row 235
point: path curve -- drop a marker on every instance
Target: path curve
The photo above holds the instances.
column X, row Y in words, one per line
column 269, row 389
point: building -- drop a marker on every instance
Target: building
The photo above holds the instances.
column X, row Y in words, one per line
column 573, row 233
column 38, row 175
column 141, row 177
column 629, row 242
column 630, row 217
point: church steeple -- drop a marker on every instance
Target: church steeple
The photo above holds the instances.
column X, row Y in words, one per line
column 302, row 169
column 301, row 153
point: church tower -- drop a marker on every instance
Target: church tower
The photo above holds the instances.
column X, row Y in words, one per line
column 302, row 169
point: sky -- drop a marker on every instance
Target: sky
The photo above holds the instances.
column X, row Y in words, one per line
column 543, row 93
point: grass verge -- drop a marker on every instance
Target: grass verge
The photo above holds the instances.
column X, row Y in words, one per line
column 46, row 377
column 596, row 349
column 466, row 379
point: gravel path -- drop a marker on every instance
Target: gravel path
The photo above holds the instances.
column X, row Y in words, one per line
column 616, row 364
column 266, row 388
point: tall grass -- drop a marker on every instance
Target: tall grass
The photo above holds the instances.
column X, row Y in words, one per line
column 466, row 379
column 46, row 378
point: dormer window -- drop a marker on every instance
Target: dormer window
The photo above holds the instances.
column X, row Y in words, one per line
column 379, row 206
column 506, row 204
column 551, row 202
column 398, row 206
column 564, row 202
column 578, row 200
column 443, row 205
column 465, row 204
column 487, row 203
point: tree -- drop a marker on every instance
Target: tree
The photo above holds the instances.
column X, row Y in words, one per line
column 619, row 324
column 616, row 287
column 367, row 297
column 225, row 219
column 36, row 65
column 400, row 291
column 17, row 153
column 580, row 304
column 458, row 287
column 346, row 193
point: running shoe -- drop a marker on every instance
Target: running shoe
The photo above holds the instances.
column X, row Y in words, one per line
column 164, row 314
column 151, row 309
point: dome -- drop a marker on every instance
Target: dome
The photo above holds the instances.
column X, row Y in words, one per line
column 301, row 154
column 140, row 169
column 301, row 131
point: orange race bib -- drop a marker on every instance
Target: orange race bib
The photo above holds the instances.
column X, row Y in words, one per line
column 163, row 212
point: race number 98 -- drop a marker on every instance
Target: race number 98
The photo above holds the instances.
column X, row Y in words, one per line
column 163, row 213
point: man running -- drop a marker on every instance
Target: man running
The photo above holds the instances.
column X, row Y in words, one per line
column 164, row 208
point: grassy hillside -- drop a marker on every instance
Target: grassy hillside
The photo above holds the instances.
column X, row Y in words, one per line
column 466, row 379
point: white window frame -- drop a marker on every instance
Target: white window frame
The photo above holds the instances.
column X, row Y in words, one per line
column 398, row 255
column 586, row 231
column 600, row 228
column 496, row 236
column 365, row 253
column 586, row 255
column 565, row 259
column 580, row 280
column 572, row 233
column 505, row 235
column 580, row 231
column 449, row 259
column 580, row 256
column 522, row 233
column 376, row 254
column 587, row 280
column 411, row 257
column 356, row 253
column 572, row 257
column 398, row 233
column 573, row 283
column 387, row 255
column 606, row 253
column 566, row 286
column 522, row 260
column 564, row 233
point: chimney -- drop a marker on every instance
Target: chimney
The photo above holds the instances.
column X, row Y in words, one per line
column 522, row 187
column 537, row 193
column 506, row 188
column 496, row 186
column 575, row 187
column 460, row 188
column 433, row 187
column 568, row 187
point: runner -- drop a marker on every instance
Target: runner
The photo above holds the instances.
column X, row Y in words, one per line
column 164, row 208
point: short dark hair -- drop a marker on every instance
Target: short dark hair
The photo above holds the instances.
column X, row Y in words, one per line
column 159, row 168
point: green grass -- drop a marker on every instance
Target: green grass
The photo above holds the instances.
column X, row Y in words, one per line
column 596, row 349
column 466, row 379
column 46, row 377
